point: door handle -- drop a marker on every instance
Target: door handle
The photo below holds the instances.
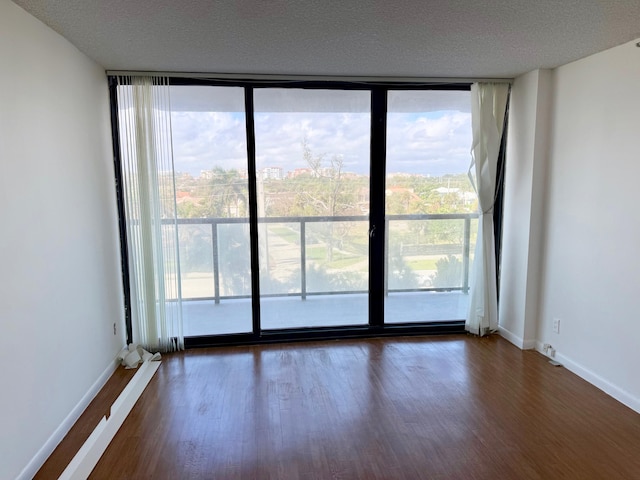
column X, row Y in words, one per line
column 372, row 232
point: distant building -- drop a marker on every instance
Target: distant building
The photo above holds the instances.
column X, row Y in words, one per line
column 272, row 173
column 469, row 197
column 350, row 175
column 299, row 171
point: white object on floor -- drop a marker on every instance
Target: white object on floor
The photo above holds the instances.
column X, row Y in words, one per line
column 133, row 355
column 89, row 454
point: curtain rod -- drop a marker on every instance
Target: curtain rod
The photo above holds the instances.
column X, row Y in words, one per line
column 308, row 78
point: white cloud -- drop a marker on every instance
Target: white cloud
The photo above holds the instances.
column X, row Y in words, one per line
column 279, row 138
column 202, row 140
column 434, row 143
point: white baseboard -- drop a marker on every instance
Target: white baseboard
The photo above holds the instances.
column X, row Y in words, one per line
column 510, row 337
column 516, row 340
column 596, row 380
column 50, row 445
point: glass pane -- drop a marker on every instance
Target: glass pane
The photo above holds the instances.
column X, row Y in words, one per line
column 196, row 261
column 340, row 248
column 210, row 160
column 431, row 206
column 312, row 169
column 279, row 245
column 234, row 261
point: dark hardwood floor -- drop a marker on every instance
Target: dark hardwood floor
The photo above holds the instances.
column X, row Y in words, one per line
column 412, row 407
column 88, row 421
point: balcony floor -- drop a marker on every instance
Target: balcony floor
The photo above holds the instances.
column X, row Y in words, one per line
column 204, row 317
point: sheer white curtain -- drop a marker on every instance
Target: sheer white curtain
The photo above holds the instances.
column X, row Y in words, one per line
column 488, row 106
column 144, row 119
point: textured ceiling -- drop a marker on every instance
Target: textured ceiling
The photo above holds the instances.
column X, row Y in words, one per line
column 403, row 38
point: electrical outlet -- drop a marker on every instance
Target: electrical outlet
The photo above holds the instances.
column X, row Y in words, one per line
column 556, row 325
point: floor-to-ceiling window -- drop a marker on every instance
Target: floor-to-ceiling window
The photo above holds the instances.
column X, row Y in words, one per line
column 312, row 182
column 212, row 201
column 281, row 176
column 430, row 205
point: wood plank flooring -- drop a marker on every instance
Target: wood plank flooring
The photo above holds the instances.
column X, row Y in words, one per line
column 393, row 408
column 98, row 408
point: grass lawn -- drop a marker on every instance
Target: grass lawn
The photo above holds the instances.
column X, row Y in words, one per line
column 316, row 253
column 422, row 264
column 344, row 262
column 286, row 233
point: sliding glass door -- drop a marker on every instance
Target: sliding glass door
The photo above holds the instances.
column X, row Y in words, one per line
column 212, row 201
column 430, row 206
column 312, row 184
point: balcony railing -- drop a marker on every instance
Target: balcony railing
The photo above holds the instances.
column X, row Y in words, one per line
column 459, row 248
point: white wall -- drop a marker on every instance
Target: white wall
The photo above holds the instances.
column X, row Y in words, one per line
column 60, row 290
column 591, row 262
column 527, row 151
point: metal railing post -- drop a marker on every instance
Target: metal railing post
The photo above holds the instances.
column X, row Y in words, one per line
column 465, row 254
column 303, row 259
column 216, row 266
column 386, row 257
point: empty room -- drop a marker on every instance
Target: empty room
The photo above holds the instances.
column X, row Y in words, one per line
column 312, row 239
